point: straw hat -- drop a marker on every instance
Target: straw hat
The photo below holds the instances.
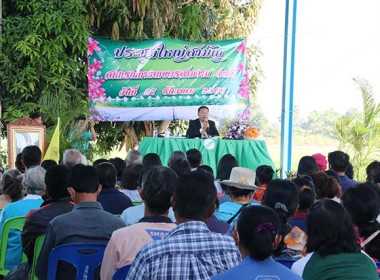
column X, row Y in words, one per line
column 242, row 178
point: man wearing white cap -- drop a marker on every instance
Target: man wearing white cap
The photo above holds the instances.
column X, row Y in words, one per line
column 241, row 187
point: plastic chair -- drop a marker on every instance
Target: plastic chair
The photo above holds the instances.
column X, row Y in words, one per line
column 122, row 272
column 16, row 223
column 37, row 248
column 85, row 257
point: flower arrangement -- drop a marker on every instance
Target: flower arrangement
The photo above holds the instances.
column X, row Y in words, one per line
column 252, row 133
column 236, row 130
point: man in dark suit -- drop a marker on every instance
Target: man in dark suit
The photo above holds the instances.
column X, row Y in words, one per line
column 202, row 127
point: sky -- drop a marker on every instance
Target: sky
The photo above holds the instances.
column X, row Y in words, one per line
column 336, row 41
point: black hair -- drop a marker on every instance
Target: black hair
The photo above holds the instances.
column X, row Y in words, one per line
column 83, row 179
column 180, row 167
column 225, row 165
column 350, row 171
column 99, row 161
column 330, row 229
column 332, row 174
column 282, row 197
column 107, row 174
column 236, row 192
column 325, row 186
column 362, row 203
column 195, row 195
column 151, row 160
column 47, row 163
column 203, row 107
column 55, row 180
column 130, row 177
column 11, row 184
column 307, row 164
column 119, row 165
column 194, row 157
column 18, row 163
column 31, row 156
column 257, row 227
column 158, row 186
column 338, row 161
column 306, row 191
column 264, row 174
column 372, row 169
column 208, row 169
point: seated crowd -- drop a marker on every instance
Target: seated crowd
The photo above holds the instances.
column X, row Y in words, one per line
column 181, row 222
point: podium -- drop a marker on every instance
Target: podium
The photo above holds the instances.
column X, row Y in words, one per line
column 249, row 153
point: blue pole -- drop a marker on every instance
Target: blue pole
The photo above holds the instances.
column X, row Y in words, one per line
column 288, row 86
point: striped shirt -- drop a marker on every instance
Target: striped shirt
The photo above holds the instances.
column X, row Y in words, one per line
column 189, row 251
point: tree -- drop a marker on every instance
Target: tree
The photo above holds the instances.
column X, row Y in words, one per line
column 43, row 57
column 358, row 133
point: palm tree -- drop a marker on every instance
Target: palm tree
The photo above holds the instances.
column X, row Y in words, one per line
column 358, row 134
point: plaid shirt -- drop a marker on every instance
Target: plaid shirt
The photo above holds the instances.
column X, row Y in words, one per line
column 189, row 251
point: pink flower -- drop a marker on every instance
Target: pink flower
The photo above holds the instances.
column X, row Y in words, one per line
column 96, row 65
column 241, row 67
column 242, row 48
column 100, row 80
column 245, row 82
column 92, row 46
column 244, row 92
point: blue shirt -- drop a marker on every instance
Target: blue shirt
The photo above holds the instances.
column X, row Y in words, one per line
column 16, row 209
column 189, row 251
column 250, row 269
column 346, row 182
column 228, row 209
column 81, row 142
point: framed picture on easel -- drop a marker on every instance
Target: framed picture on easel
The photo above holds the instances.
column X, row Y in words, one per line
column 20, row 136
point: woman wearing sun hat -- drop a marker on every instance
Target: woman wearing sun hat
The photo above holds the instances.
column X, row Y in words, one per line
column 241, row 187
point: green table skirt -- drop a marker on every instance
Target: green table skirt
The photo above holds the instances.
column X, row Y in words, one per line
column 249, row 153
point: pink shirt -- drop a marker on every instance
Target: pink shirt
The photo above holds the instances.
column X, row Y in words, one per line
column 126, row 242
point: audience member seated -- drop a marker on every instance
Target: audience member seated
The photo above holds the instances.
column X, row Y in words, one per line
column 48, row 163
column 333, row 174
column 151, row 160
column 241, row 186
column 325, row 186
column 18, row 163
column 225, row 165
column 339, row 162
column 372, row 169
column 175, row 156
column 194, row 157
column 86, row 223
column 256, row 235
column 119, row 165
column 34, row 185
column 129, row 181
column 362, row 203
column 213, row 223
column 99, row 161
column 306, row 199
column 189, row 251
column 133, row 157
column 321, row 161
column 307, row 164
column 282, row 196
column 58, row 202
column 73, row 157
column 156, row 192
column 111, row 199
column 264, row 174
column 334, row 251
column 180, row 167
column 31, row 156
column 11, row 187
